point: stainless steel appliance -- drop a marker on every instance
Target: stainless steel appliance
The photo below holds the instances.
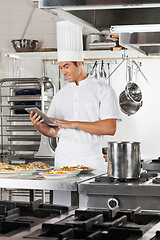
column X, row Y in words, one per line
column 101, row 16
column 124, row 160
column 97, row 224
column 136, row 217
column 18, row 137
column 20, row 216
column 152, row 165
column 141, row 192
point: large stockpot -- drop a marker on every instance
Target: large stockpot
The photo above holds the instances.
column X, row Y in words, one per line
column 124, row 160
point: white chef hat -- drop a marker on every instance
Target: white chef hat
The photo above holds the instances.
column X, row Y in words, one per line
column 69, row 41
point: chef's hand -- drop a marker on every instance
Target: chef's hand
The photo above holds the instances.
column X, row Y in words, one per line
column 43, row 128
column 65, row 124
column 36, row 119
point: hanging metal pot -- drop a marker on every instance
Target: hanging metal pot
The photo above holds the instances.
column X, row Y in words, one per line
column 130, row 100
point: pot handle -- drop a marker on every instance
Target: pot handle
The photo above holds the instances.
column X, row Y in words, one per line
column 129, row 72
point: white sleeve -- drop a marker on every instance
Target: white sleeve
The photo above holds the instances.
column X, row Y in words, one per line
column 109, row 107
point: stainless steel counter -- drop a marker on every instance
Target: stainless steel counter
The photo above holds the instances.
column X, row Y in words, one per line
column 33, row 183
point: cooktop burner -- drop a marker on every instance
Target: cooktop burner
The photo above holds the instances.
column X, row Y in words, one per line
column 99, row 224
column 15, row 216
column 143, row 178
column 156, row 180
column 152, row 165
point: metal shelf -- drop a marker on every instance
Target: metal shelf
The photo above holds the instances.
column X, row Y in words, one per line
column 92, row 54
column 23, row 147
column 33, row 55
column 24, row 138
column 27, row 98
column 17, row 118
column 20, row 128
column 23, row 106
column 18, row 135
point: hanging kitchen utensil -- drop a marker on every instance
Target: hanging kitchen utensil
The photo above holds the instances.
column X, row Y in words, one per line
column 130, row 99
column 92, row 71
column 26, row 27
column 108, row 73
column 96, row 75
column 25, row 45
column 101, row 71
column 104, row 72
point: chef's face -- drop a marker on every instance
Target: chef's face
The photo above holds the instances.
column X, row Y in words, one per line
column 70, row 70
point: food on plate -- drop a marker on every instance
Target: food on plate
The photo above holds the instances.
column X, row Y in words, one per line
column 18, row 167
column 39, row 165
column 33, row 166
column 24, row 167
column 68, row 169
column 82, row 167
column 54, row 172
column 5, row 165
column 8, row 170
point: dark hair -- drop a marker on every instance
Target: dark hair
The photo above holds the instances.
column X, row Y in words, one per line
column 75, row 63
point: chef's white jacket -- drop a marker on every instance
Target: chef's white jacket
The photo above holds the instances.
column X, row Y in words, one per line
column 91, row 101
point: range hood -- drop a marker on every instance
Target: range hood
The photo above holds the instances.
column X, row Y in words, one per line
column 103, row 15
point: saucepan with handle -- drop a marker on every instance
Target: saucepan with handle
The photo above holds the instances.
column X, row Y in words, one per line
column 130, row 100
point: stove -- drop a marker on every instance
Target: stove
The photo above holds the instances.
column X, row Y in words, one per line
column 114, row 209
column 152, row 165
column 17, row 216
column 99, row 224
column 142, row 192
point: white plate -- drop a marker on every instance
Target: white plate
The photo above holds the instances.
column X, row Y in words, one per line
column 54, row 176
column 30, row 171
column 9, row 174
column 84, row 170
column 43, row 170
column 72, row 173
column 87, row 170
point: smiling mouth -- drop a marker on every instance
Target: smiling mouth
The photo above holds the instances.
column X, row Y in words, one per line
column 68, row 77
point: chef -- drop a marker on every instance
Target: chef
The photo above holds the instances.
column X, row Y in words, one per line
column 85, row 109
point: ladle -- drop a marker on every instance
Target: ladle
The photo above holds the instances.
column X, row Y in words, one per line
column 101, row 71
column 25, row 45
column 92, row 71
column 30, row 16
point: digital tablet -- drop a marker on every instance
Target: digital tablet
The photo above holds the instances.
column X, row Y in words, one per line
column 47, row 120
